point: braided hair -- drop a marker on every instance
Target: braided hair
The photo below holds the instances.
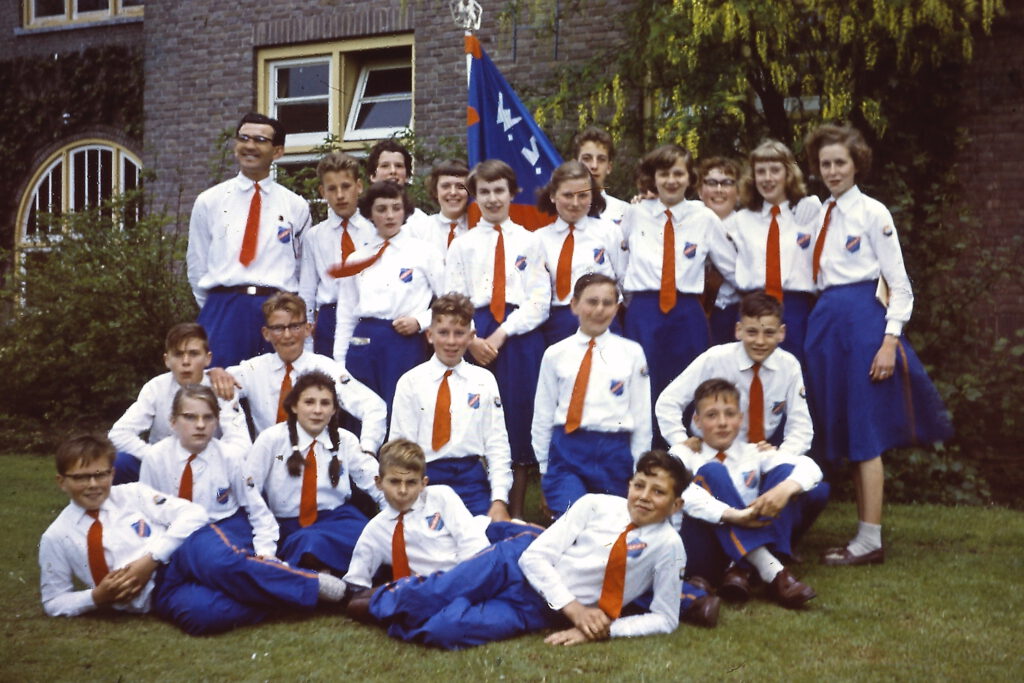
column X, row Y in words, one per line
column 296, row 461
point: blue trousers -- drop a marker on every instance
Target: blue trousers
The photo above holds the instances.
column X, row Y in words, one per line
column 214, row 582
column 388, row 356
column 723, row 324
column 323, row 333
column 126, row 468
column 516, row 369
column 469, row 479
column 585, row 462
column 326, row 543
column 670, row 340
column 688, row 594
column 233, row 323
column 796, row 310
column 482, row 600
column 711, row 547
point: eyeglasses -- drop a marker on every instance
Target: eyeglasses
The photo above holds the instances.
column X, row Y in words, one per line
column 85, row 478
column 294, row 328
column 258, row 139
column 714, row 183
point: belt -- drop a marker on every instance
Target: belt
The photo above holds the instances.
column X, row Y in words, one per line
column 251, row 290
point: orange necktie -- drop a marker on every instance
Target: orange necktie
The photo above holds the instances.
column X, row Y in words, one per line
column 574, row 416
column 286, row 387
column 307, row 504
column 94, row 548
column 399, row 560
column 349, row 269
column 773, row 260
column 755, row 410
column 347, row 245
column 563, row 276
column 442, row 414
column 185, row 486
column 498, row 288
column 615, row 577
column 667, row 297
column 819, row 244
column 252, row 228
column 720, row 456
column 451, row 232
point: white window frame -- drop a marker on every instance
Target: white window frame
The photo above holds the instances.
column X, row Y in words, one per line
column 313, row 137
column 353, row 133
column 71, row 16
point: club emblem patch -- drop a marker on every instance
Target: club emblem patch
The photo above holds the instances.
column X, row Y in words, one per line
column 223, row 495
column 284, row 234
column 434, row 522
column 750, row 479
column 803, row 240
column 473, row 401
column 520, row 263
column 617, row 386
column 853, row 244
column 778, row 408
column 141, row 528
column 599, row 256
column 405, row 275
column 887, row 231
column 635, row 549
column 689, row 250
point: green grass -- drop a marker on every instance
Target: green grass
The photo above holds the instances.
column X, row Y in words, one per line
column 946, row 605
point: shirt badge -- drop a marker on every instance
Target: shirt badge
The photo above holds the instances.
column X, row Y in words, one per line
column 250, row 483
column 473, row 401
column 159, row 500
column 345, row 378
column 778, row 407
column 280, row 457
column 617, row 386
column 405, row 275
column 223, row 495
column 599, row 256
column 520, row 263
column 635, row 549
column 853, row 244
column 887, row 231
column 141, row 528
column 497, row 401
column 750, row 479
column 434, row 522
column 803, row 392
column 803, row 240
column 284, row 234
column 644, row 371
column 689, row 250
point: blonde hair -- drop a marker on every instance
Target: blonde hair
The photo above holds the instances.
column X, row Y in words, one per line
column 403, row 454
column 772, row 150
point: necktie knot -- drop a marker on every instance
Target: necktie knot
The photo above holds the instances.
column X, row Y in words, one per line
column 344, row 224
column 95, row 514
column 720, row 456
column 775, row 210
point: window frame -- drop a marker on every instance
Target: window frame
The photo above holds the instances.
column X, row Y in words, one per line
column 71, row 17
column 354, row 134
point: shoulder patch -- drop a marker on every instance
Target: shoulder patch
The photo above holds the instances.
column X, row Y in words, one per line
column 644, row 371
column 497, row 401
column 250, row 483
column 344, row 378
column 887, row 231
column 159, row 500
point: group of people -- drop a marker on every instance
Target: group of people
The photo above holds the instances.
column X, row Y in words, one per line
column 337, row 370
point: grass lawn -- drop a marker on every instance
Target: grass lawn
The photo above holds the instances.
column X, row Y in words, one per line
column 946, row 605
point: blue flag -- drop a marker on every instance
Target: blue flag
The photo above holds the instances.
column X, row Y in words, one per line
column 500, row 127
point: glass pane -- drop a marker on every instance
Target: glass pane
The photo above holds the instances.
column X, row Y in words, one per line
column 132, row 3
column 308, row 80
column 49, row 8
column 129, row 175
column 106, row 174
column 303, row 118
column 91, row 5
column 388, row 81
column 78, row 181
column 394, row 114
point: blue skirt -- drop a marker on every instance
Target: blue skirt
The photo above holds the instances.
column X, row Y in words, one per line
column 326, row 543
column 388, row 355
column 854, row 418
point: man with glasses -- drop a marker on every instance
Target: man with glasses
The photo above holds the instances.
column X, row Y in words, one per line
column 244, row 243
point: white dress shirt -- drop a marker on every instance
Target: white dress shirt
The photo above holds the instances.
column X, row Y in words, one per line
column 220, row 479
column 435, row 230
column 137, row 520
column 727, row 294
column 321, row 249
column 469, row 270
column 618, row 397
column 261, row 379
column 477, row 418
column 862, row 244
column 749, row 231
column 217, row 227
column 782, row 385
column 597, row 248
column 746, row 465
column 403, row 281
column 268, row 463
column 439, row 533
column 697, row 237
column 614, row 208
column 567, row 562
column 151, row 412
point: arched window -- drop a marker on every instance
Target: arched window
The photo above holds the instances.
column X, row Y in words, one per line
column 77, row 176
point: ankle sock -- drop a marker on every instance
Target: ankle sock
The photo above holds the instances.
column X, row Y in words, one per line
column 766, row 564
column 331, row 588
column 868, row 538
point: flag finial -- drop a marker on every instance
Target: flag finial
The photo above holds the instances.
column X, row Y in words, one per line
column 466, row 14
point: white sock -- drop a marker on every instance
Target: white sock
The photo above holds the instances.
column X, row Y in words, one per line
column 868, row 538
column 766, row 564
column 331, row 588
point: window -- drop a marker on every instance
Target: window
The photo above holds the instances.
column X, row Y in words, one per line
column 357, row 91
column 74, row 177
column 41, row 13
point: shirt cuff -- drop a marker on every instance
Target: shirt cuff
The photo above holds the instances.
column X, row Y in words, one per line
column 894, row 327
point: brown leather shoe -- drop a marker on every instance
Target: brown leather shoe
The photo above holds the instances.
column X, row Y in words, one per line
column 701, row 583
column 786, row 590
column 735, row 586
column 703, row 611
column 359, row 606
column 842, row 557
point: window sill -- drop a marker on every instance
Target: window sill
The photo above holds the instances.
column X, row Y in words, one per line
column 73, row 25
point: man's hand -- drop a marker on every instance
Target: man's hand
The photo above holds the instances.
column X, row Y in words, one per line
column 482, row 351
column 693, row 443
column 498, row 512
column 406, row 325
column 223, row 383
column 771, row 502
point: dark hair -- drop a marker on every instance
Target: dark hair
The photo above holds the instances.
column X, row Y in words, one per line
column 491, row 170
column 83, row 449
column 758, row 304
column 660, row 460
column 454, row 304
column 590, row 279
column 662, row 158
column 570, row 170
column 253, row 117
column 338, row 162
column 181, row 333
column 385, row 189
column 452, row 167
column 768, row 151
column 389, row 145
column 713, row 388
column 847, row 136
column 594, row 134
column 198, row 392
column 296, row 461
